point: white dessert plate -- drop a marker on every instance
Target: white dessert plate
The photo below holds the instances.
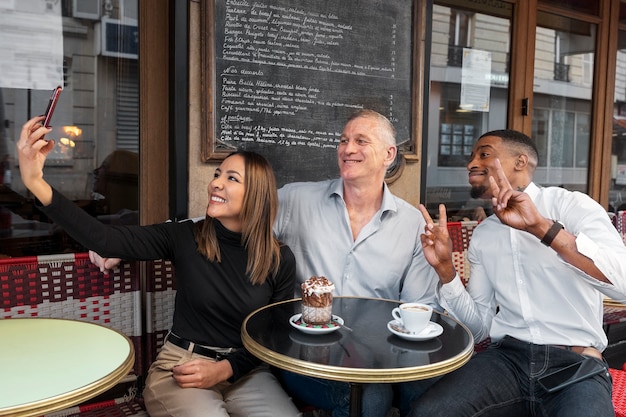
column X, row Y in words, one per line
column 316, row 340
column 296, row 321
column 431, row 330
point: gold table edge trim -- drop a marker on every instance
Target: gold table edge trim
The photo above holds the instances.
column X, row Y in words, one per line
column 70, row 399
column 609, row 302
column 384, row 375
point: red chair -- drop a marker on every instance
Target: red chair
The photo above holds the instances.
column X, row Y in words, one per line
column 619, row 390
column 615, row 312
column 460, row 234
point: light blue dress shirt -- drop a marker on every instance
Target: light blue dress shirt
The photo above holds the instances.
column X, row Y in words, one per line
column 542, row 299
column 386, row 259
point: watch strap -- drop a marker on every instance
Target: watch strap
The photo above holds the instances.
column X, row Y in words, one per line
column 551, row 233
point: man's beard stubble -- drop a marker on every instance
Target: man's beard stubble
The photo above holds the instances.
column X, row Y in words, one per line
column 479, row 191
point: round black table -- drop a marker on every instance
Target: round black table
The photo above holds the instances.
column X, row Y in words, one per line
column 369, row 353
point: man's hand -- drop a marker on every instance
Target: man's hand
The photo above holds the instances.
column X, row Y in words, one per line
column 514, row 207
column 105, row 264
column 201, row 373
column 437, row 245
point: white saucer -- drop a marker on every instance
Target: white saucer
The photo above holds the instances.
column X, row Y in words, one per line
column 315, row 328
column 432, row 330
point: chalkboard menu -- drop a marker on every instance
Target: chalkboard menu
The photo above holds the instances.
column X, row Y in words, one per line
column 281, row 77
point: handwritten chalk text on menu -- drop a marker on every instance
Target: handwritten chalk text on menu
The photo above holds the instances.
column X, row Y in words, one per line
column 289, row 73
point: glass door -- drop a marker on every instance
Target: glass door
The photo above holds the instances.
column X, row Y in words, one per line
column 469, row 88
column 617, row 189
column 562, row 99
column 91, row 50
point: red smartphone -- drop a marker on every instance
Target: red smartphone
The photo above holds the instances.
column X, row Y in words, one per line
column 51, row 105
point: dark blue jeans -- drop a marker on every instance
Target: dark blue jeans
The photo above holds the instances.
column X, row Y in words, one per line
column 502, row 381
column 334, row 396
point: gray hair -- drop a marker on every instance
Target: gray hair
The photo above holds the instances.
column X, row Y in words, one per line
column 386, row 131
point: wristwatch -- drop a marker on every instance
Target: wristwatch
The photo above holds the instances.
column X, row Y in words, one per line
column 556, row 227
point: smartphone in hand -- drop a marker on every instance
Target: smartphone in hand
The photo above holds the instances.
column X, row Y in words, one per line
column 51, row 105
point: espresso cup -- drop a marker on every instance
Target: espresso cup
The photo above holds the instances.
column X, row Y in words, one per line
column 413, row 316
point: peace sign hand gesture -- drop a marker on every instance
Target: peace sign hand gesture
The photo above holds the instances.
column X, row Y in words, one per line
column 437, row 245
column 513, row 207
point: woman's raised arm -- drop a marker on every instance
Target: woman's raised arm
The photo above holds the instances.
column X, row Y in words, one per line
column 32, row 150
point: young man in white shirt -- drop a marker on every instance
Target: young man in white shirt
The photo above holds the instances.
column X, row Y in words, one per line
column 539, row 268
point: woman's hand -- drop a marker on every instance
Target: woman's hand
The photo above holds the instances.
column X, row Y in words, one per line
column 32, row 151
column 104, row 264
column 201, row 373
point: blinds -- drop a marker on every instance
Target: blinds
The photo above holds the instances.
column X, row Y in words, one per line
column 127, row 133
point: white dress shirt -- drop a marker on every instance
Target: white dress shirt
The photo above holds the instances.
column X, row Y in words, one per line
column 541, row 298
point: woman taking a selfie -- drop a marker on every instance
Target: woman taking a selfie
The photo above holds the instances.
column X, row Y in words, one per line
column 227, row 266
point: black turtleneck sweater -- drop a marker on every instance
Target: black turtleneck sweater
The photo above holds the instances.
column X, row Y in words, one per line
column 212, row 298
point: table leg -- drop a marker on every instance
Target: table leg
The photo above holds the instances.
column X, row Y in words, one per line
column 356, row 393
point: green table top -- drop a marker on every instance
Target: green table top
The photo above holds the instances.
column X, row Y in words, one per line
column 51, row 364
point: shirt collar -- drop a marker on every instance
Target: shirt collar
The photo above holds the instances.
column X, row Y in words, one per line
column 388, row 204
column 532, row 190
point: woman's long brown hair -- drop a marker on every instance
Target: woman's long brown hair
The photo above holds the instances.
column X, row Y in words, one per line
column 260, row 205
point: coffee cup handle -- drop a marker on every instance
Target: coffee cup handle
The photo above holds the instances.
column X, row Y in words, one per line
column 396, row 314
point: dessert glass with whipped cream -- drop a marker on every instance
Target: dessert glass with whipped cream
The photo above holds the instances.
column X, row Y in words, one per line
column 317, row 300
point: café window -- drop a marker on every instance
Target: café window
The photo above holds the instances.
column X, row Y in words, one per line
column 562, row 138
column 468, row 96
column 562, row 92
column 460, row 30
column 90, row 49
column 617, row 190
column 455, row 143
column 458, row 129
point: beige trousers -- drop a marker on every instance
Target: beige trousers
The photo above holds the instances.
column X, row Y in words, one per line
column 257, row 394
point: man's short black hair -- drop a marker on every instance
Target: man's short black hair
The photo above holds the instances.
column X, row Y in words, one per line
column 513, row 136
